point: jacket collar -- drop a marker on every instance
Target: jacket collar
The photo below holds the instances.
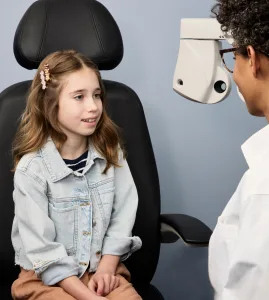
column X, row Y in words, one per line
column 55, row 164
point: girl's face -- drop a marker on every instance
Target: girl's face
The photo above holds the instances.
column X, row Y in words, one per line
column 80, row 104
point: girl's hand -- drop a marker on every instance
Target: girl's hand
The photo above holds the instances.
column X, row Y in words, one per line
column 103, row 283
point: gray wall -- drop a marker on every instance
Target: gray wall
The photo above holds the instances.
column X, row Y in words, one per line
column 197, row 147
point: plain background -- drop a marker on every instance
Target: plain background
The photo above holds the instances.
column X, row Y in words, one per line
column 197, row 147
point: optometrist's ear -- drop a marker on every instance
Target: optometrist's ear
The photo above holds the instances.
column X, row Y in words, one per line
column 253, row 60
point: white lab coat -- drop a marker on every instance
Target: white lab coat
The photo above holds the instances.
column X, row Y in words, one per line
column 239, row 245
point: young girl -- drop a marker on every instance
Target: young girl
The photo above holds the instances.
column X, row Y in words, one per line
column 75, row 199
column 239, row 246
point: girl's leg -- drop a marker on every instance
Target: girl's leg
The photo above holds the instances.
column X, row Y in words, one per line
column 124, row 291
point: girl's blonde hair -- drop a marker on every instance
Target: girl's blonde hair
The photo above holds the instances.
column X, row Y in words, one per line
column 40, row 117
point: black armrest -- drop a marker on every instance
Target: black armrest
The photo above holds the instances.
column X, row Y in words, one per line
column 191, row 230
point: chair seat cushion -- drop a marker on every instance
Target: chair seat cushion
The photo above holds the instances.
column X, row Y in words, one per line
column 148, row 292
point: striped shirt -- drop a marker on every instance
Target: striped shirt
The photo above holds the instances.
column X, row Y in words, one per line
column 77, row 164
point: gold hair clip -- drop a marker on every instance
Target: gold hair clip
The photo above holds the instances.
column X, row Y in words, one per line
column 45, row 76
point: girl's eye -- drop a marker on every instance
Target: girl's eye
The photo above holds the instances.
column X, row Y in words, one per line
column 78, row 97
column 98, row 96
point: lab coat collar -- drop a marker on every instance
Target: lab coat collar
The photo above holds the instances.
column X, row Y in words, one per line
column 256, row 147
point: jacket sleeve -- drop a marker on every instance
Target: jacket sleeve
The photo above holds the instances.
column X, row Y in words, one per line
column 248, row 273
column 49, row 258
column 118, row 239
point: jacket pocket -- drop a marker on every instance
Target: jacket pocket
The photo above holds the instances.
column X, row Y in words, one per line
column 221, row 248
column 106, row 191
column 104, row 196
column 65, row 218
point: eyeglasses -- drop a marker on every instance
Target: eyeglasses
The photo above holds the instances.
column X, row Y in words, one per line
column 225, row 62
column 222, row 52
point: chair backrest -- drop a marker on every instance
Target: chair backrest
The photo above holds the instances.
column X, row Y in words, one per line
column 88, row 27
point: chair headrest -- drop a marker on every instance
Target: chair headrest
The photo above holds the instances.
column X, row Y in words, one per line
column 83, row 25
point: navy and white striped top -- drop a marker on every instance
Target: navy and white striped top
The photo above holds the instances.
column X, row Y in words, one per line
column 77, row 164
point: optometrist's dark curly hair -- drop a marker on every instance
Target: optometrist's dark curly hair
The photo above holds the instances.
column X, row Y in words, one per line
column 248, row 21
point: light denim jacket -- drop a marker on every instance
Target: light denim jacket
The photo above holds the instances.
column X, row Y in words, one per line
column 65, row 220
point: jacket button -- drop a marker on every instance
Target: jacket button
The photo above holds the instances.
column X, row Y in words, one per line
column 86, row 233
column 83, row 263
column 98, row 253
column 85, row 204
column 93, row 223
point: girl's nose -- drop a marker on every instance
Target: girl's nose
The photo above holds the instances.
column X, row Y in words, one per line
column 91, row 105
